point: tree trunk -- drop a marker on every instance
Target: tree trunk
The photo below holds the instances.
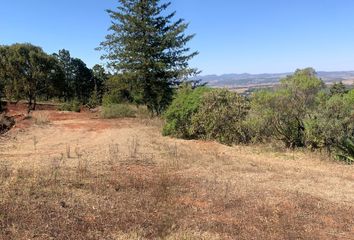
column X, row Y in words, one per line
column 34, row 104
column 29, row 108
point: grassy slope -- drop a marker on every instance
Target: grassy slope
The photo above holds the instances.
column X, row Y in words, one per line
column 79, row 177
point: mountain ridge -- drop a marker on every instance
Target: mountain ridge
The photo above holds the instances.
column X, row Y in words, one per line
column 247, row 79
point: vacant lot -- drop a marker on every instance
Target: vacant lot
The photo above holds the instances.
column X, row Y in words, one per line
column 75, row 176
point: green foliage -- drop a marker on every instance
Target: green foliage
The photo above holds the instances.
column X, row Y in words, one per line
column 118, row 111
column 300, row 112
column 346, row 150
column 221, row 117
column 94, row 100
column 179, row 114
column 26, row 71
column 119, row 90
column 149, row 50
column 207, row 114
column 78, row 81
column 330, row 122
column 100, row 77
column 281, row 113
column 72, row 106
column 338, row 88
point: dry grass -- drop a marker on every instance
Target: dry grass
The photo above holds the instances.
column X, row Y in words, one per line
column 129, row 201
column 128, row 182
column 41, row 118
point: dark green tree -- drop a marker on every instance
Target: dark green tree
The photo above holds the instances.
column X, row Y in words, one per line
column 100, row 78
column 78, row 78
column 149, row 49
column 3, row 71
column 338, row 88
column 65, row 62
column 83, row 81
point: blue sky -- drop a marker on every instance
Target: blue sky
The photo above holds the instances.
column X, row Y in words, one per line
column 232, row 36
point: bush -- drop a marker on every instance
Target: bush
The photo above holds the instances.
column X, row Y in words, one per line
column 72, row 106
column 94, row 100
column 6, row 123
column 203, row 113
column 281, row 113
column 300, row 112
column 118, row 91
column 118, row 111
column 330, row 122
column 221, row 117
column 179, row 114
column 346, row 150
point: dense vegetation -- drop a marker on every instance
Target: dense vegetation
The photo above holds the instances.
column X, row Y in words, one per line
column 27, row 72
column 301, row 112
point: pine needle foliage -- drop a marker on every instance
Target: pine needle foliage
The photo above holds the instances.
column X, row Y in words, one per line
column 150, row 49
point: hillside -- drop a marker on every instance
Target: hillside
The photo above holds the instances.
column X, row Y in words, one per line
column 247, row 80
column 76, row 176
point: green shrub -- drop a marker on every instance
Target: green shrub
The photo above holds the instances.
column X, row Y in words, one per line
column 118, row 111
column 118, row 91
column 346, row 150
column 72, row 106
column 221, row 117
column 179, row 114
column 281, row 113
column 330, row 122
column 94, row 100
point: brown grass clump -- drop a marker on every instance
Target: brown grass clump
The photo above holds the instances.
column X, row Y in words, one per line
column 41, row 118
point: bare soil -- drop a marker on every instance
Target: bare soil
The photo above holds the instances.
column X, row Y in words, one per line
column 76, row 176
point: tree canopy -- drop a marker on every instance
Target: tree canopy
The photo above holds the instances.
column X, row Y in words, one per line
column 26, row 70
column 148, row 48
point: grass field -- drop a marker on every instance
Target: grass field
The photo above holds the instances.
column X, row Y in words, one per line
column 77, row 176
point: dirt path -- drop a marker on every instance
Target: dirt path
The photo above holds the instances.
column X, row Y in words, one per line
column 284, row 180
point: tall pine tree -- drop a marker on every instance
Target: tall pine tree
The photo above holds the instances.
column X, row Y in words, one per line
column 148, row 48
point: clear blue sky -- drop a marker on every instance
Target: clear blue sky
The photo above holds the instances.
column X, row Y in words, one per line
column 233, row 36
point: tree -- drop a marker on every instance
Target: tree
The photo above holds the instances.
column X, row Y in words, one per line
column 83, row 81
column 10, row 82
column 221, row 117
column 78, row 78
column 100, row 77
column 281, row 113
column 27, row 69
column 119, row 90
column 65, row 62
column 99, row 80
column 179, row 114
column 3, row 72
column 330, row 122
column 149, row 49
column 338, row 88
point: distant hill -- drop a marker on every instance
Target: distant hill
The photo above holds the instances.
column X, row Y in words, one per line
column 253, row 80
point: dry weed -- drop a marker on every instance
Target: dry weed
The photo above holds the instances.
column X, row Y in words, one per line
column 41, row 118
